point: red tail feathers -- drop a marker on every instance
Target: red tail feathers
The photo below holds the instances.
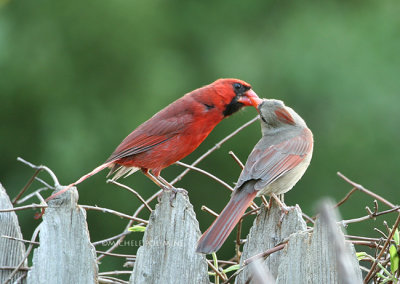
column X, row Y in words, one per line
column 219, row 231
column 95, row 171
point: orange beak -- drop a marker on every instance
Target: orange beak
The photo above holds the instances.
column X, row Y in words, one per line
column 250, row 98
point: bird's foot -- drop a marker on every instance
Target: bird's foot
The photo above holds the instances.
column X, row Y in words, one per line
column 179, row 190
column 284, row 211
column 175, row 191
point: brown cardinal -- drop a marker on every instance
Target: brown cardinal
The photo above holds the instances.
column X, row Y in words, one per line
column 176, row 131
column 274, row 166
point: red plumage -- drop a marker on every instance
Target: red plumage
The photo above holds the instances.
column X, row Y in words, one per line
column 177, row 130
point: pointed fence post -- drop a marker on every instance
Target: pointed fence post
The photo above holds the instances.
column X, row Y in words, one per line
column 268, row 230
column 318, row 256
column 11, row 251
column 168, row 252
column 321, row 255
column 65, row 254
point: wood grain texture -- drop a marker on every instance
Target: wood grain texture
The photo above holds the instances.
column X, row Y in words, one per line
column 65, row 254
column 168, row 252
column 266, row 233
column 317, row 256
column 321, row 256
column 11, row 251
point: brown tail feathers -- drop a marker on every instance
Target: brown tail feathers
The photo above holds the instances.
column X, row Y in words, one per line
column 219, row 231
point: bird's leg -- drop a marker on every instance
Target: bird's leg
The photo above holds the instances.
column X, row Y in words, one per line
column 163, row 184
column 284, row 209
column 147, row 173
column 174, row 189
column 280, row 202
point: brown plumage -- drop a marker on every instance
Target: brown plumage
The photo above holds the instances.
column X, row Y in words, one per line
column 274, row 166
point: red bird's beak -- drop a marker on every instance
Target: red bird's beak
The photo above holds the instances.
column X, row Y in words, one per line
column 250, row 98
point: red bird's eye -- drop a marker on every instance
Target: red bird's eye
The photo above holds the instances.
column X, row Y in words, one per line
column 238, row 86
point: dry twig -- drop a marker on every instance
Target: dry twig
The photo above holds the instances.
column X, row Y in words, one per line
column 28, row 251
column 215, row 269
column 366, row 191
column 32, row 206
column 206, row 174
column 116, row 213
column 236, row 159
column 208, row 210
column 217, row 146
column 132, row 191
column 372, row 271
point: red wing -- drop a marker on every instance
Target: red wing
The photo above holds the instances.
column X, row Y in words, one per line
column 268, row 165
column 160, row 128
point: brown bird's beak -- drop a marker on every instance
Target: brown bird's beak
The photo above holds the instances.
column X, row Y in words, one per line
column 250, row 98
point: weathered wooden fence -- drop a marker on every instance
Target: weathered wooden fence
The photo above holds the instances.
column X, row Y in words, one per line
column 65, row 253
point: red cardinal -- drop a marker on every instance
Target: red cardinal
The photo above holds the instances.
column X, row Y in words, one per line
column 176, row 131
column 274, row 166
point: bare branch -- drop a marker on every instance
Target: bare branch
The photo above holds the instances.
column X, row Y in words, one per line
column 208, row 210
column 27, row 185
column 32, row 206
column 117, row 254
column 132, row 191
column 362, row 238
column 255, row 210
column 206, row 174
column 308, row 218
column 119, row 214
column 236, row 159
column 264, row 254
column 255, row 257
column 217, row 146
column 45, row 183
column 40, row 168
column 20, row 240
column 137, row 212
column 238, row 253
column 366, row 243
column 346, row 197
column 29, row 196
column 371, row 215
column 123, row 234
column 111, row 280
column 372, row 271
column 117, row 272
column 382, row 233
column 13, row 267
column 216, row 270
column 366, row 191
column 28, row 251
column 264, row 200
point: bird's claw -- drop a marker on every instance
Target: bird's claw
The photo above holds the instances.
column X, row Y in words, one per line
column 284, row 211
column 180, row 190
column 175, row 191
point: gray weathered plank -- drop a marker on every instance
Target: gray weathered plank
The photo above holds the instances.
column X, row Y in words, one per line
column 267, row 231
column 168, row 252
column 320, row 256
column 317, row 256
column 65, row 254
column 11, row 251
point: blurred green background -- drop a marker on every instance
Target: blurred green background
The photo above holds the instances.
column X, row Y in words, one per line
column 77, row 76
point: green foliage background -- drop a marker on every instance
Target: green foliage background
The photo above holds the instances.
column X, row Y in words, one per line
column 77, row 76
